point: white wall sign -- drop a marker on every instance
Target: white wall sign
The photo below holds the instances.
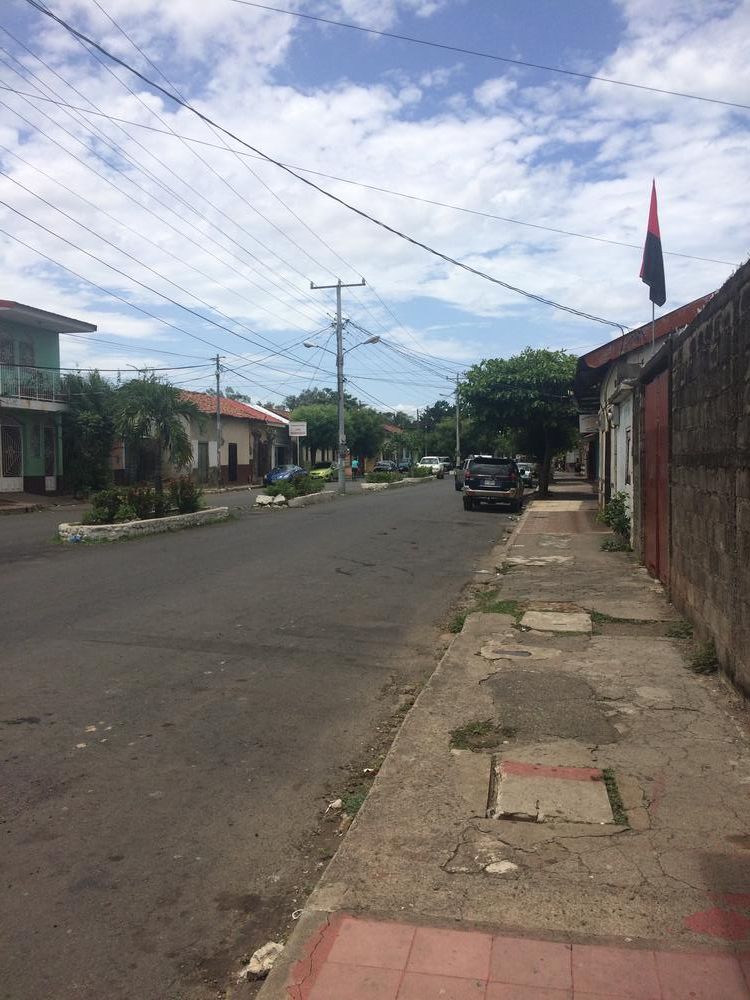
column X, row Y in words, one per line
column 297, row 428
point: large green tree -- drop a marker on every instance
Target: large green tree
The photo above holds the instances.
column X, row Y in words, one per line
column 528, row 396
column 147, row 409
column 310, row 397
column 88, row 432
column 322, row 426
column 364, row 431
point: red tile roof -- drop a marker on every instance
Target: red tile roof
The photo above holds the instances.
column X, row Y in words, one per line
column 229, row 408
column 392, row 429
column 641, row 336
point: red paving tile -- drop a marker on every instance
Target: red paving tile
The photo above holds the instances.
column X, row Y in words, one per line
column 531, row 963
column 418, row 986
column 501, row 991
column 617, row 972
column 465, row 954
column 349, row 982
column 701, row 977
column 381, row 960
column 370, row 942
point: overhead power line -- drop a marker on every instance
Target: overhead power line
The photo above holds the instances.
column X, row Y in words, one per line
column 414, row 40
column 380, row 189
column 541, row 299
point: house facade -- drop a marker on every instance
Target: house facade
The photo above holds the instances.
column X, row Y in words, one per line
column 605, row 384
column 32, row 397
column 251, row 440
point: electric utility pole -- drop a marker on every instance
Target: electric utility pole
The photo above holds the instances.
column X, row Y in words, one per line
column 218, row 420
column 458, row 429
column 340, row 372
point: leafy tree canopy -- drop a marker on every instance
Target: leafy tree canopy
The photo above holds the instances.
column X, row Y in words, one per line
column 529, row 396
column 88, row 432
column 147, row 408
column 320, row 396
column 322, row 425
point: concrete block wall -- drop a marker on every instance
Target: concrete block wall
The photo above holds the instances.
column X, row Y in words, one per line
column 710, row 475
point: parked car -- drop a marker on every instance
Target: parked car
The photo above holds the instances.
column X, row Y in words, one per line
column 527, row 472
column 323, row 470
column 433, row 463
column 385, row 466
column 492, row 480
column 404, row 466
column 461, row 470
column 448, row 462
column 284, row 474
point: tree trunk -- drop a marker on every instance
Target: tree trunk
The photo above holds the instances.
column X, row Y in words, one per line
column 158, row 484
column 544, row 471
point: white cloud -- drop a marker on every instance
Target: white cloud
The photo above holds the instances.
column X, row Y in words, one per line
column 561, row 154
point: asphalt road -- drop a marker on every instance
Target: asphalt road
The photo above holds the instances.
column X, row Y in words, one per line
column 174, row 713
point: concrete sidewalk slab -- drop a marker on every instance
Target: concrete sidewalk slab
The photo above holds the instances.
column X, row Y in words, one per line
column 541, row 793
column 557, row 621
column 675, row 879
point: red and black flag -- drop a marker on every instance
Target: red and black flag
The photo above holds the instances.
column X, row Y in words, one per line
column 652, row 267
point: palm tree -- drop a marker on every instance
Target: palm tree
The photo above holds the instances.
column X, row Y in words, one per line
column 149, row 409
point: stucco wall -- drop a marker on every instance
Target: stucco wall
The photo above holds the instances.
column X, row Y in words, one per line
column 710, row 474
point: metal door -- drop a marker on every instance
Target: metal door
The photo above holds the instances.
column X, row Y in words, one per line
column 232, row 463
column 656, row 477
column 11, row 458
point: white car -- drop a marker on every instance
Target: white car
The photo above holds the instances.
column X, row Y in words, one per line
column 433, row 463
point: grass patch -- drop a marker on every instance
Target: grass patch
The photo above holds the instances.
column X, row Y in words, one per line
column 486, row 602
column 704, row 659
column 615, row 800
column 352, row 801
column 457, row 621
column 490, row 603
column 480, row 734
column 680, row 630
column 616, row 544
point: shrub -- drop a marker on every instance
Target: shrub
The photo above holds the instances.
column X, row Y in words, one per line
column 126, row 512
column 297, row 488
column 383, row 477
column 104, row 506
column 616, row 516
column 142, row 499
column 417, row 473
column 185, row 495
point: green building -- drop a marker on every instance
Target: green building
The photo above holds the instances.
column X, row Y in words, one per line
column 32, row 398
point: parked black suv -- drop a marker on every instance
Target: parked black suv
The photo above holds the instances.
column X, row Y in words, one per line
column 492, row 480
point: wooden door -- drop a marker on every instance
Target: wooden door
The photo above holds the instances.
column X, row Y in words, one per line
column 232, row 463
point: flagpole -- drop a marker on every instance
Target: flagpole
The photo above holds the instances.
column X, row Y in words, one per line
column 653, row 331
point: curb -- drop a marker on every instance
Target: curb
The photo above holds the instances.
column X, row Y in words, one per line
column 138, row 529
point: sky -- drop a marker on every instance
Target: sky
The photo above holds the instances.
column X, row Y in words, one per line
column 180, row 243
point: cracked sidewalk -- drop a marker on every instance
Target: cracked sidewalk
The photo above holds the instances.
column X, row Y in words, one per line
column 671, row 876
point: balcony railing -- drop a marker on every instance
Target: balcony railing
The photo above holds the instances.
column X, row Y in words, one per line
column 28, row 382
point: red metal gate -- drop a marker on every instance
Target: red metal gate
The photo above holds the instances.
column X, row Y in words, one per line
column 656, row 477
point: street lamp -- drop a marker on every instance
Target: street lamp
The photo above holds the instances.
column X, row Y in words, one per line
column 339, row 353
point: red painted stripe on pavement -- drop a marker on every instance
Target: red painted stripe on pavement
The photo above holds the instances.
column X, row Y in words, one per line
column 523, row 770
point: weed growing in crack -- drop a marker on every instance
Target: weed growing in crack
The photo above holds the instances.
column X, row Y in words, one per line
column 457, row 622
column 616, row 544
column 704, row 659
column 613, row 792
column 480, row 734
column 352, row 801
column 680, row 630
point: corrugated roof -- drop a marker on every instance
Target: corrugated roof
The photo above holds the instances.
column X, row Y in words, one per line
column 641, row 336
column 229, row 408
